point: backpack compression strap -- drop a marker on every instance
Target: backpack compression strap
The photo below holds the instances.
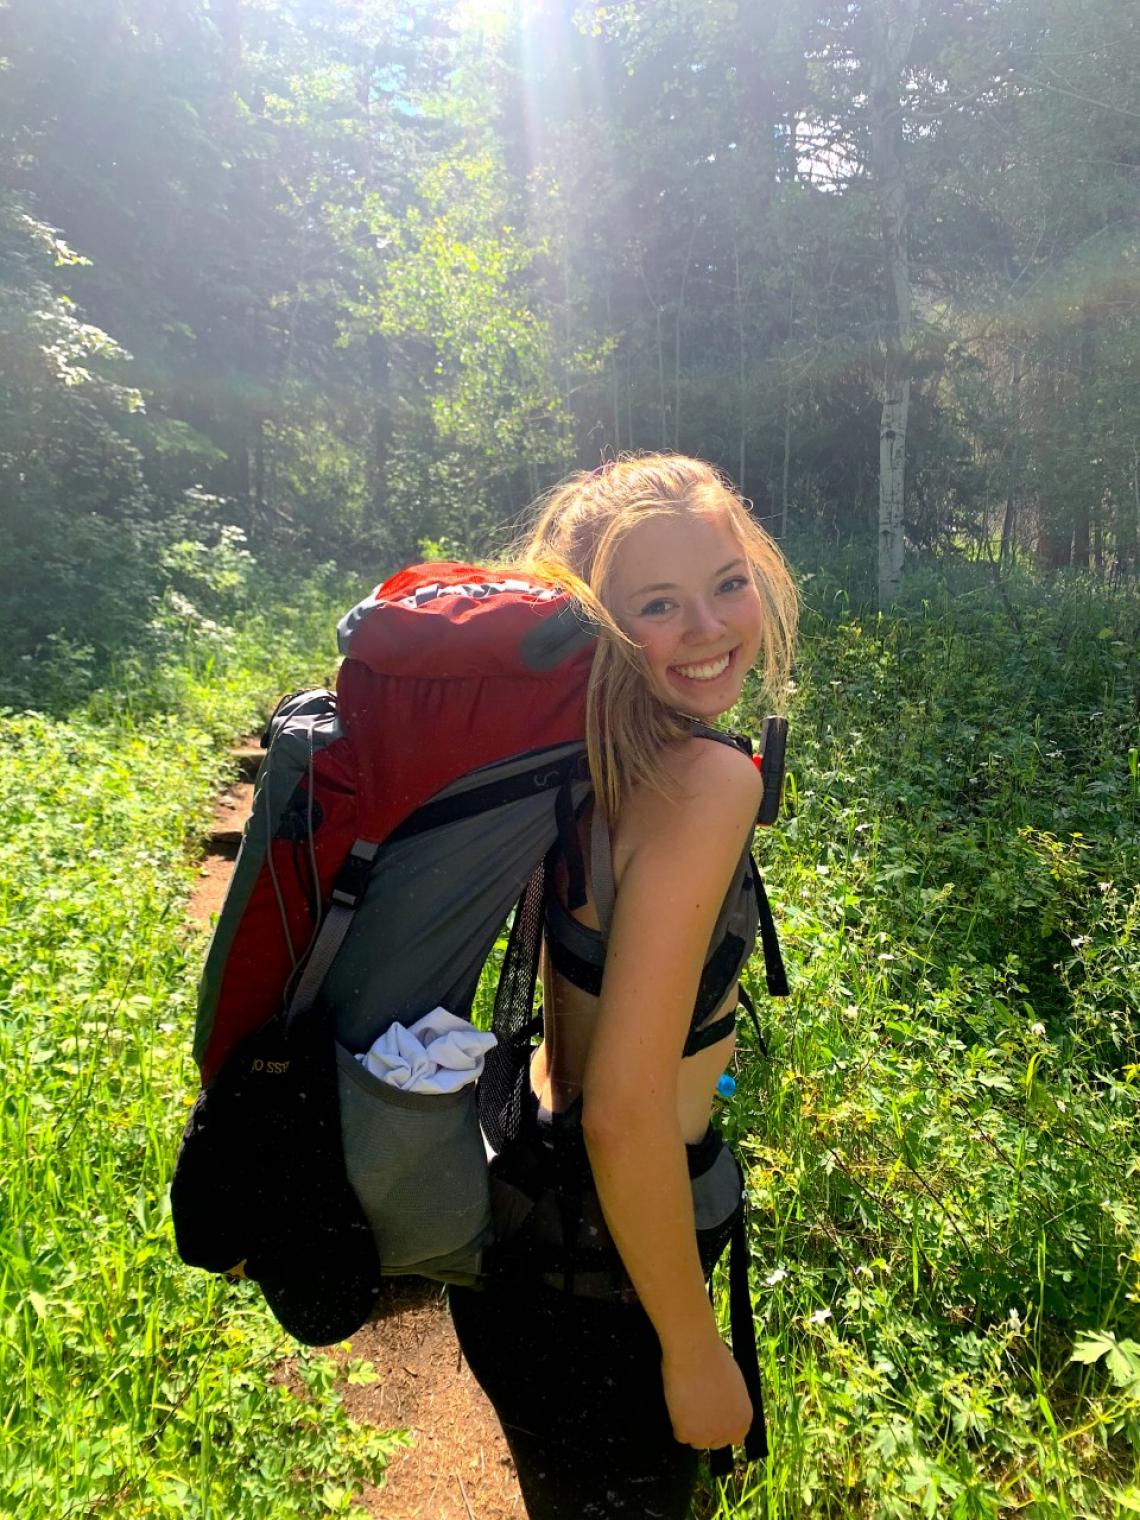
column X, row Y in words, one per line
column 348, row 889
column 744, row 1353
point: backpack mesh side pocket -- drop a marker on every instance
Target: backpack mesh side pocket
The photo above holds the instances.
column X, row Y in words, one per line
column 417, row 1163
column 506, row 1073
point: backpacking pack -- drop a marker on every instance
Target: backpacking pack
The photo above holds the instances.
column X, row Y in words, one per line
column 395, row 825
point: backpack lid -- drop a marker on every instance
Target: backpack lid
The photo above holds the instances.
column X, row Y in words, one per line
column 449, row 669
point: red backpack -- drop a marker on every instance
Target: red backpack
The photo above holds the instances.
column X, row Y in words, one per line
column 458, row 689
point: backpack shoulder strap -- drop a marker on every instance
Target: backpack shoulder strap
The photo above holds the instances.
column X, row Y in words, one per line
column 602, row 870
column 601, row 848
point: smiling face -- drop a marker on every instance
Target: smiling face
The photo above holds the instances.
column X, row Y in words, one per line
column 681, row 587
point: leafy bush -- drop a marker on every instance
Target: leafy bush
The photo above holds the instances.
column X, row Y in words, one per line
column 131, row 1385
column 942, row 1147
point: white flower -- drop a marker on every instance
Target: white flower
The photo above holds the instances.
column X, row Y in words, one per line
column 821, row 1316
column 775, row 1277
column 1037, row 1029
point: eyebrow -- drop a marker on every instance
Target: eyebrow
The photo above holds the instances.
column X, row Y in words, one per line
column 672, row 585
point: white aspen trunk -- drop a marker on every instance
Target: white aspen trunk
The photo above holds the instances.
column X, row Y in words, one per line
column 740, row 378
column 892, row 28
column 677, row 337
column 614, row 393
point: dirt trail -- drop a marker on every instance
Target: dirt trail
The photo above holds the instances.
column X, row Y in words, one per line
column 458, row 1466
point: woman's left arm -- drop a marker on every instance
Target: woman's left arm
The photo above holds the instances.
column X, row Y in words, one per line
column 672, row 886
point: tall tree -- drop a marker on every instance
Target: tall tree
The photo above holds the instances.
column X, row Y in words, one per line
column 890, row 36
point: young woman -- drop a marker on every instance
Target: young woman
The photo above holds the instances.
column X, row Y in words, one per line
column 609, row 1375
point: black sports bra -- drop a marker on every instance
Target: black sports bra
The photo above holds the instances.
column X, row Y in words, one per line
column 578, row 952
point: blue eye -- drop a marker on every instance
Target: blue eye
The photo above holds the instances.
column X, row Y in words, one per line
column 656, row 608
column 734, row 583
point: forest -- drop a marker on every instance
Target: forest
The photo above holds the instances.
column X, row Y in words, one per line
column 293, row 292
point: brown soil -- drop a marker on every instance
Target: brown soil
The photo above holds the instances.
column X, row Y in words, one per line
column 230, row 813
column 458, row 1466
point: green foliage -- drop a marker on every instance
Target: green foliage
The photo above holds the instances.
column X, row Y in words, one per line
column 131, row 1385
column 940, row 1149
column 386, row 270
column 450, row 294
column 942, row 1146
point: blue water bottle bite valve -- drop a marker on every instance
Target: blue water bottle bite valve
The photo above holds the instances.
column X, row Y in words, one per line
column 726, row 1084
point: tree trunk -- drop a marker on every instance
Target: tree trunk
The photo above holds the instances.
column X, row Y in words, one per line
column 227, row 19
column 677, row 337
column 1054, row 520
column 788, row 461
column 664, row 444
column 1083, row 520
column 739, row 294
column 259, row 471
column 1008, row 548
column 615, row 395
column 892, row 28
column 789, row 391
column 567, row 319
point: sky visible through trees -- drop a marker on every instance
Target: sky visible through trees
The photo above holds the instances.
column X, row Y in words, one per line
column 348, row 277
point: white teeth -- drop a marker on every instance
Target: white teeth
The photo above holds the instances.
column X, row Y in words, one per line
column 707, row 672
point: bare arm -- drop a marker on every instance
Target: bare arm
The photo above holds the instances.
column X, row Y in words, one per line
column 671, row 890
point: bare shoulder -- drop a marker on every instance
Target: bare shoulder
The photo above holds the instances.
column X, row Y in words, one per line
column 714, row 792
column 703, row 768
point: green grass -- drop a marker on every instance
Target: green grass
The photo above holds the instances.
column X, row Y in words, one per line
column 942, row 1148
column 132, row 1386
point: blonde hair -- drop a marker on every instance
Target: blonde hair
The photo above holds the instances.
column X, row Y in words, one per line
column 573, row 538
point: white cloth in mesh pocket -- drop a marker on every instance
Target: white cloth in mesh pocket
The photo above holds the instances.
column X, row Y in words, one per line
column 438, row 1053
column 418, row 1165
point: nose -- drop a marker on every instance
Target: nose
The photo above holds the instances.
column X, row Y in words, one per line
column 703, row 622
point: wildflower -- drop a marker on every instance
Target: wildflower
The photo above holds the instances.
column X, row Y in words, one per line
column 775, row 1277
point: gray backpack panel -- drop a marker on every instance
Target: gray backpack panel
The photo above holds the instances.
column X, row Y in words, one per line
column 434, row 906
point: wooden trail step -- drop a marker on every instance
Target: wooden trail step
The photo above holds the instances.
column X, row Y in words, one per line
column 234, row 804
column 223, row 837
column 248, row 758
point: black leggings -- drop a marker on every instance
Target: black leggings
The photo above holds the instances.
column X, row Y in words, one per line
column 576, row 1384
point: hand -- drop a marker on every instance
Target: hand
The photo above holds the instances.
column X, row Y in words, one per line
column 706, row 1397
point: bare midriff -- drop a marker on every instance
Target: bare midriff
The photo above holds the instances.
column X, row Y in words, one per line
column 569, row 1017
